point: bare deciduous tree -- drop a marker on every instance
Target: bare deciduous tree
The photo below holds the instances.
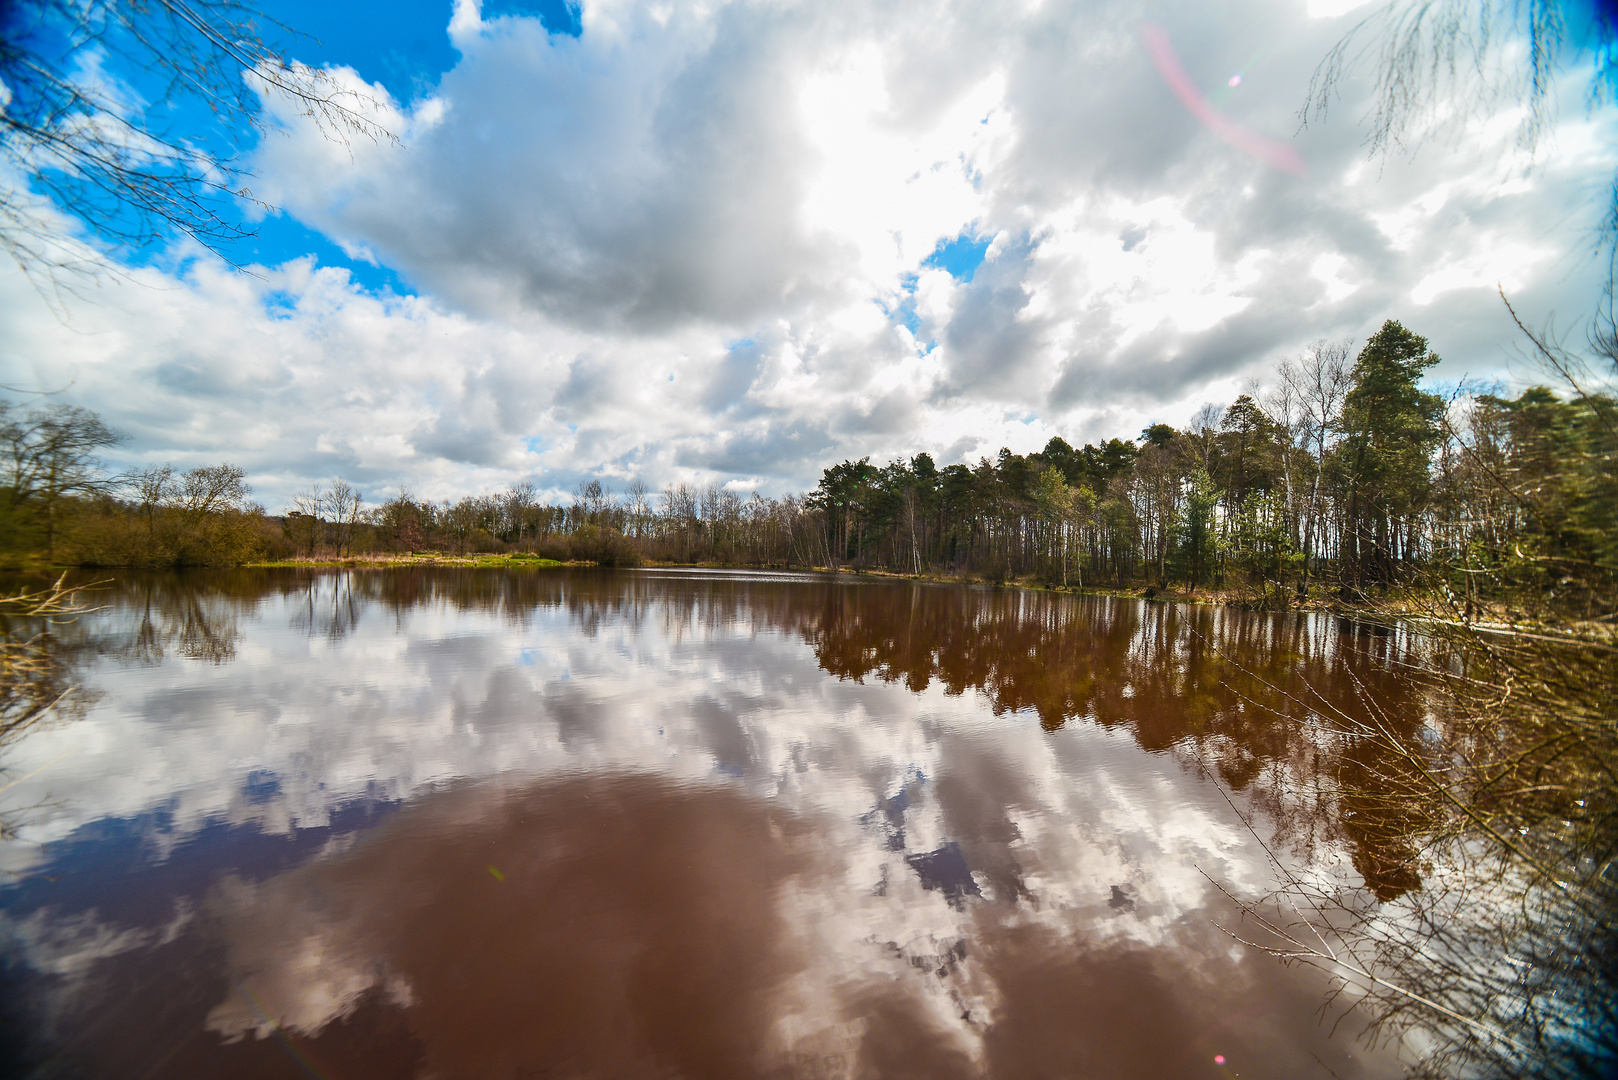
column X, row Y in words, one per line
column 519, row 503
column 209, row 489
column 305, row 521
column 1314, row 386
column 639, row 505
column 33, row 664
column 152, row 487
column 48, row 455
column 344, row 505
column 87, row 145
column 1457, row 57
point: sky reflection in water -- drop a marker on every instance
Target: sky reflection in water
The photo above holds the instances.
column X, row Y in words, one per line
column 586, row 823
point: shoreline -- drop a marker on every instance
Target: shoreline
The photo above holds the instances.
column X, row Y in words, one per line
column 1403, row 605
column 1210, row 597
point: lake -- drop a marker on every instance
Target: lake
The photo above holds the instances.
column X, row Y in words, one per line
column 674, row 823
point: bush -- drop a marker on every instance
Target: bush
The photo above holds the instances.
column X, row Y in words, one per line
column 603, row 546
column 112, row 535
column 553, row 547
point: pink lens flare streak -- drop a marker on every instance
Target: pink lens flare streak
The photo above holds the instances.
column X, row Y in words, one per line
column 1277, row 154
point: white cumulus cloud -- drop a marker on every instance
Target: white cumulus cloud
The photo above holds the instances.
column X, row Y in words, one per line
column 694, row 242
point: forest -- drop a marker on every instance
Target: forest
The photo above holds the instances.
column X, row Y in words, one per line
column 1343, row 479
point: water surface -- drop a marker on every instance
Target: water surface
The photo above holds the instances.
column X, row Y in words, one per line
column 573, row 823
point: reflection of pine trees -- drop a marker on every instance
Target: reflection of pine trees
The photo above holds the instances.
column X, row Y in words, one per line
column 1240, row 692
column 1406, row 752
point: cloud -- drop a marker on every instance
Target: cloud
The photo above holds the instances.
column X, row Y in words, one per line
column 694, row 243
column 991, row 343
column 644, row 174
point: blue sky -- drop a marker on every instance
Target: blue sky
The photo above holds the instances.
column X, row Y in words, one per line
column 403, row 46
column 738, row 241
column 961, row 256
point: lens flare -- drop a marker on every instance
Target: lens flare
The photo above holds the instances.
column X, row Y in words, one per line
column 1276, row 154
column 1235, row 81
column 309, row 1064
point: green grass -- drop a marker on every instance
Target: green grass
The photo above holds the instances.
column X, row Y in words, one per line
column 426, row 558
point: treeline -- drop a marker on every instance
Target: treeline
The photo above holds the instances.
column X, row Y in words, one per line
column 59, row 503
column 1346, row 473
column 1345, row 476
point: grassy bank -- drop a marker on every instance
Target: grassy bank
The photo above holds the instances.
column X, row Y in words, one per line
column 415, row 558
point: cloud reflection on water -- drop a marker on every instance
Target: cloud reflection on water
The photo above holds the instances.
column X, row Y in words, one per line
column 643, row 928
column 709, row 858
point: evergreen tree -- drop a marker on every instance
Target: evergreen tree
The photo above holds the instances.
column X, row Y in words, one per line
column 1390, row 429
column 1197, row 534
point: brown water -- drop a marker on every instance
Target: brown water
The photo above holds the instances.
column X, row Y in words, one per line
column 660, row 824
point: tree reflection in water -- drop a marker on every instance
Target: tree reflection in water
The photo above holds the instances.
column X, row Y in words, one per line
column 1223, row 688
column 584, row 898
column 39, row 652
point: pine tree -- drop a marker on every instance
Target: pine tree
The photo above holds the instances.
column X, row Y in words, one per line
column 1390, row 429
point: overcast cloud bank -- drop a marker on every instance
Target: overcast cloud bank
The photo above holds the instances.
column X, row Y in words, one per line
column 697, row 241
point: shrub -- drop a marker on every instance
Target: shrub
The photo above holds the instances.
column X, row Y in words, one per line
column 603, row 546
